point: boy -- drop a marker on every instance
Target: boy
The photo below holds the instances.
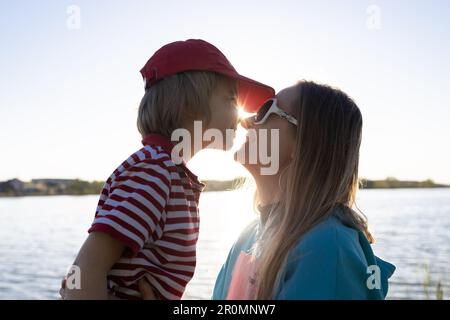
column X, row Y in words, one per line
column 147, row 220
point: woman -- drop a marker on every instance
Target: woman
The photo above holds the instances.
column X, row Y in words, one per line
column 309, row 242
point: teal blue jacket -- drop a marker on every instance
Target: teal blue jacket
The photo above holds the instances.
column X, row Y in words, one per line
column 332, row 261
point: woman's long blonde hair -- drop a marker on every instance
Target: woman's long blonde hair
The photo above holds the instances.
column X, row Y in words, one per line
column 322, row 176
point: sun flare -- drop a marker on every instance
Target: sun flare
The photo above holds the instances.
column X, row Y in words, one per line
column 243, row 114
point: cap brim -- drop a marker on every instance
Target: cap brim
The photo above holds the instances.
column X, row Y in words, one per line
column 252, row 94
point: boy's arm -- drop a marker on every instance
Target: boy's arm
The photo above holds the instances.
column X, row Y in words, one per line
column 128, row 218
column 96, row 257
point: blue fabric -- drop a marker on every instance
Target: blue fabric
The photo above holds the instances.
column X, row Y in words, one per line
column 330, row 262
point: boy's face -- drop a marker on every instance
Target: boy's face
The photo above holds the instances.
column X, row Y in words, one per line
column 224, row 111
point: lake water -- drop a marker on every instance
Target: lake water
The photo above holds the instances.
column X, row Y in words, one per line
column 39, row 237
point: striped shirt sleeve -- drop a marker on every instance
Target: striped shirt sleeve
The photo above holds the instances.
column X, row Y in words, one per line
column 135, row 204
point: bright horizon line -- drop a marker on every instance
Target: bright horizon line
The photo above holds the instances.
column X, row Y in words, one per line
column 217, row 179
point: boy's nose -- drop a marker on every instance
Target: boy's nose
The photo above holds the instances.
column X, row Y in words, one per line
column 247, row 123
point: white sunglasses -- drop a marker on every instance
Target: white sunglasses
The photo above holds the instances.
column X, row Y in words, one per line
column 270, row 107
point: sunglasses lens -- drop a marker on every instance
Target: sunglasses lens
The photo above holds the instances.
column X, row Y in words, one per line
column 263, row 110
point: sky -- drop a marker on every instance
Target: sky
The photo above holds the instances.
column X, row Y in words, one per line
column 69, row 91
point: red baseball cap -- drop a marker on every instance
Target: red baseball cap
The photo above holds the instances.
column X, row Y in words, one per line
column 193, row 54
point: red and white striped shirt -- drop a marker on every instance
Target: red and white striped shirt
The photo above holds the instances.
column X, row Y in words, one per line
column 151, row 205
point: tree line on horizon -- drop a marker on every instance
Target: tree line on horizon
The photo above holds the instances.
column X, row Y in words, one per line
column 35, row 187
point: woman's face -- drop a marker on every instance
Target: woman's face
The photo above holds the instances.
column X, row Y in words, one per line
column 277, row 149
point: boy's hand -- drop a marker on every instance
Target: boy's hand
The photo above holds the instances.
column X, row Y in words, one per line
column 144, row 287
column 96, row 257
column 146, row 290
column 62, row 290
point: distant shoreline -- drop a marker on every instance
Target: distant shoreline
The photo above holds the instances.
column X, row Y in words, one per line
column 76, row 187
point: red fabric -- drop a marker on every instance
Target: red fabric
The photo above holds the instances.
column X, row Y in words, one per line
column 193, row 54
column 167, row 145
column 158, row 140
column 151, row 206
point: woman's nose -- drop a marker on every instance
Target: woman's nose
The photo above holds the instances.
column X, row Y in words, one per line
column 247, row 123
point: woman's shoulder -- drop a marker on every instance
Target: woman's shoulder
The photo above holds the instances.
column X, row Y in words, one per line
column 328, row 262
column 330, row 233
column 332, row 260
column 334, row 243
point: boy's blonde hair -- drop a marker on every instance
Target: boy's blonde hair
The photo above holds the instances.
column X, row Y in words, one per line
column 172, row 102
